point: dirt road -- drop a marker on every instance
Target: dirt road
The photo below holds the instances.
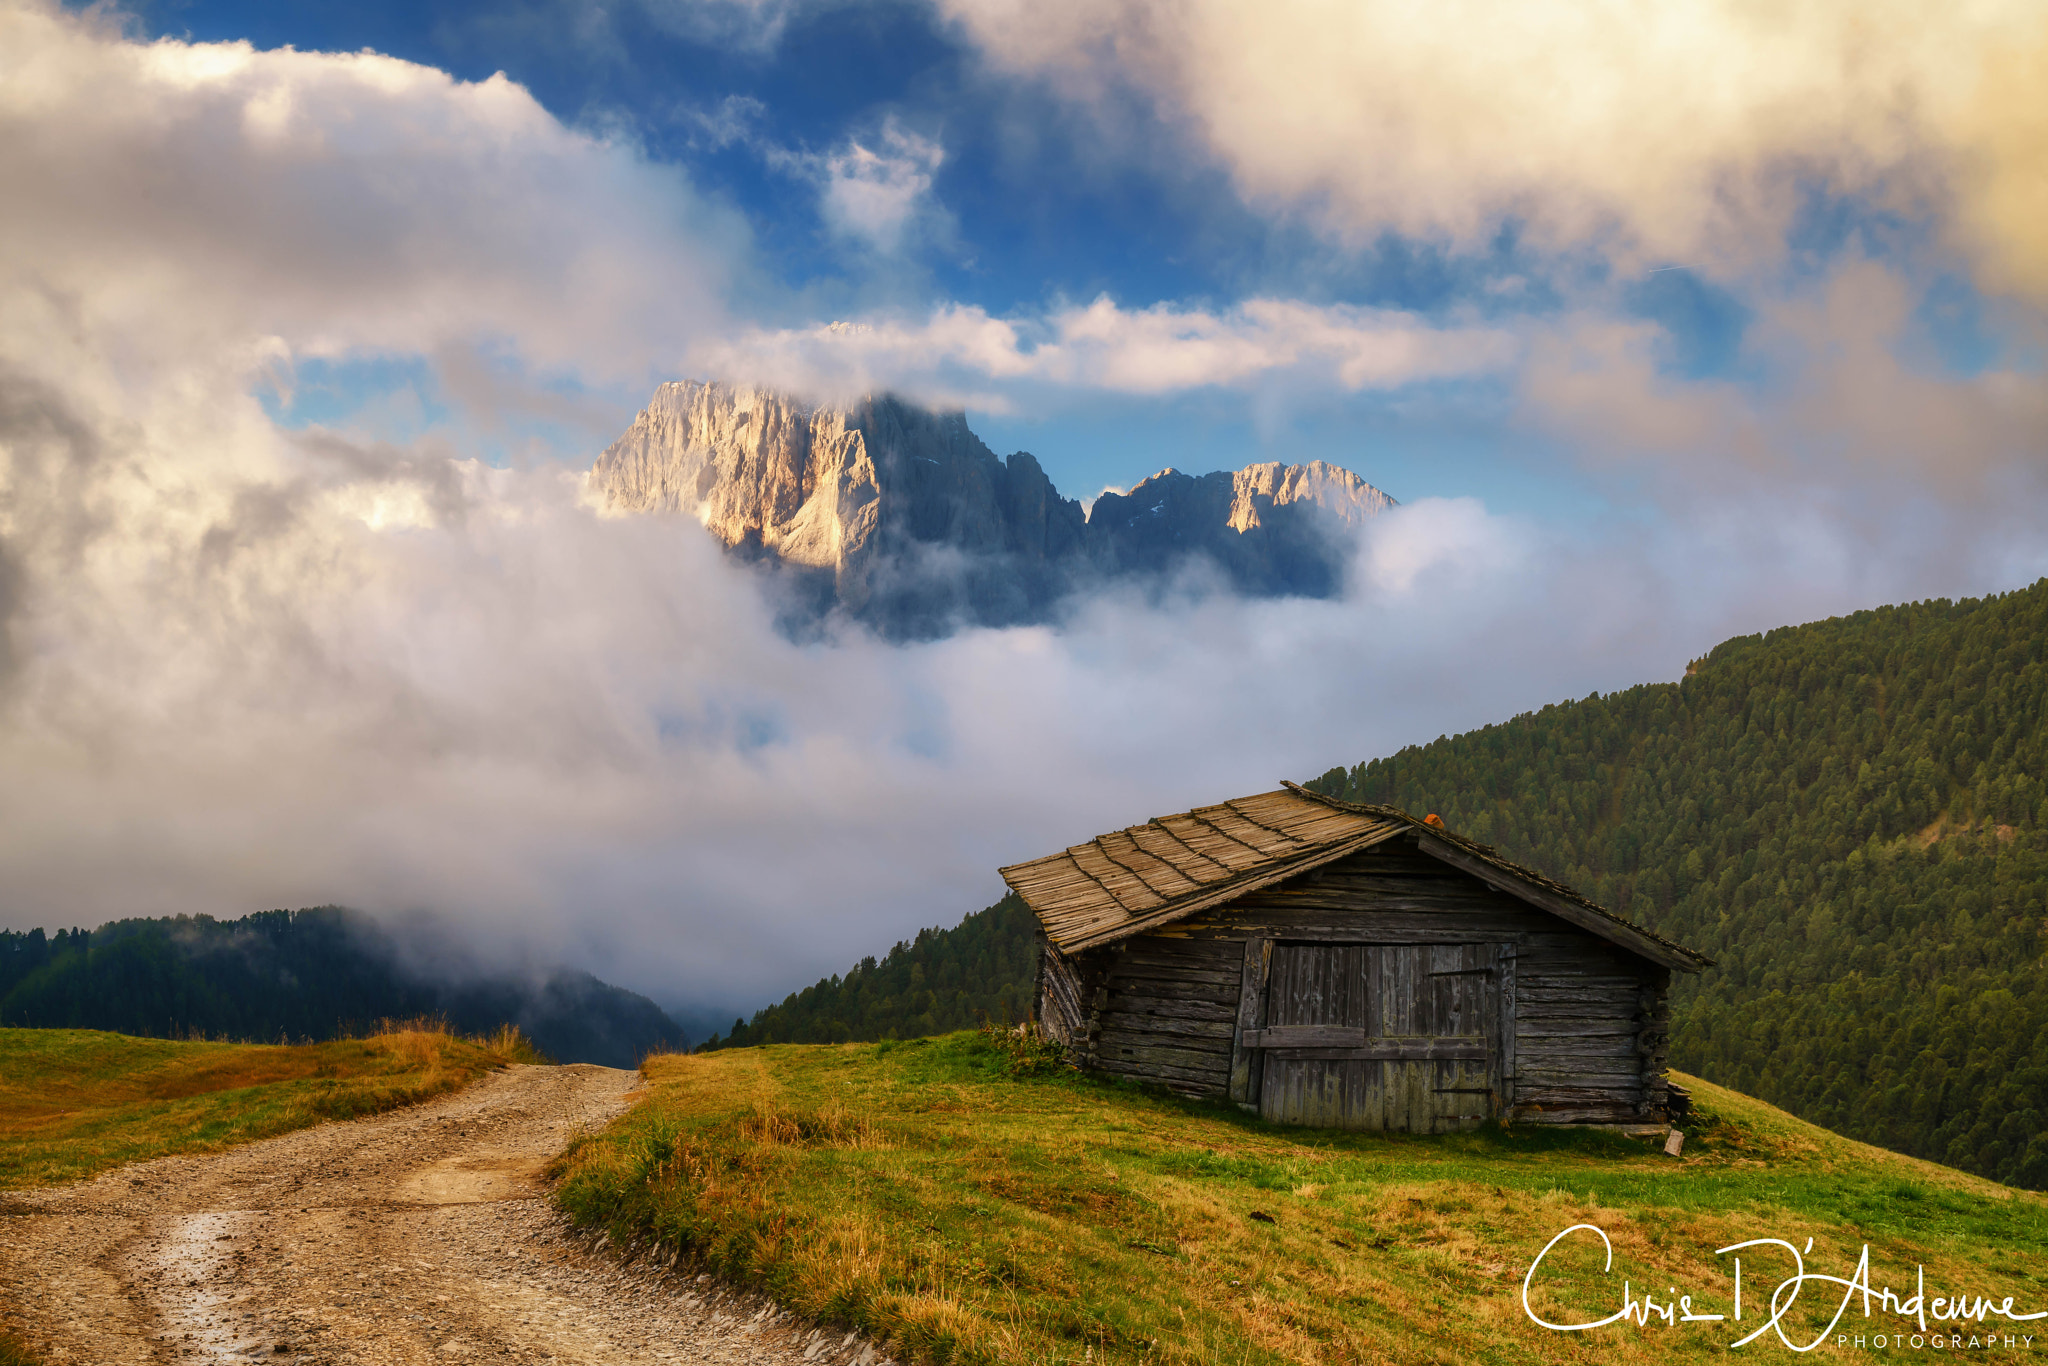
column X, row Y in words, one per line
column 417, row 1236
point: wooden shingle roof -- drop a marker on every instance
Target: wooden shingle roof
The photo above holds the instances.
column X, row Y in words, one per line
column 1138, row 879
column 1129, row 881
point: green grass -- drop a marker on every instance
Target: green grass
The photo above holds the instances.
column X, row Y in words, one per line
column 959, row 1204
column 74, row 1102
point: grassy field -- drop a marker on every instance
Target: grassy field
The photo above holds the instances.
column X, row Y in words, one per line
column 963, row 1203
column 74, row 1101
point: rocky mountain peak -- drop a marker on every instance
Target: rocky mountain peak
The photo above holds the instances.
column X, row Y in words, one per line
column 904, row 518
column 1257, row 489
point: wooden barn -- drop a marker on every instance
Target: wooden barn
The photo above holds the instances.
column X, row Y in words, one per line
column 1349, row 966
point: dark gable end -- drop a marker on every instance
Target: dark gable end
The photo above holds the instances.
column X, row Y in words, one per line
column 1330, row 963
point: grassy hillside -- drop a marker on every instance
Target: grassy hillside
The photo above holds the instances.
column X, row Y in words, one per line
column 74, row 1102
column 1852, row 817
column 967, row 1202
column 322, row 973
column 981, row 969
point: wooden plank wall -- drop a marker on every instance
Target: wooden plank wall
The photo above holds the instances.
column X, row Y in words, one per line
column 1062, row 997
column 1583, row 1012
column 1591, row 1019
column 1167, row 1010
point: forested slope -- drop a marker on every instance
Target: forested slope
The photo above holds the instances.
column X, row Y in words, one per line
column 311, row 974
column 942, row 980
column 1851, row 817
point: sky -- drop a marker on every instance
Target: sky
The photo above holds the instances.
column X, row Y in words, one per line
column 1663, row 323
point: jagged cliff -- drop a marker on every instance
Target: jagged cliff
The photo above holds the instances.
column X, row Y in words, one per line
column 905, row 519
column 1273, row 528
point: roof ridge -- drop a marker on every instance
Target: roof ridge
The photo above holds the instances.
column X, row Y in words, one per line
column 1357, row 808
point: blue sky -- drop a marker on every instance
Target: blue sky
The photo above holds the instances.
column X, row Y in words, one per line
column 1665, row 323
column 1035, row 200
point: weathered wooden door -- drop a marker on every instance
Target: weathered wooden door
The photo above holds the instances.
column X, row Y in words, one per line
column 1380, row 1036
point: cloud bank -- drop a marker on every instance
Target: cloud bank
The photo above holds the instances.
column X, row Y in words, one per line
column 1679, row 132
column 243, row 666
column 210, row 203
column 401, row 681
column 961, row 354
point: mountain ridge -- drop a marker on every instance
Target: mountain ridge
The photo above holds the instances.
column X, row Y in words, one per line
column 902, row 517
column 319, row 973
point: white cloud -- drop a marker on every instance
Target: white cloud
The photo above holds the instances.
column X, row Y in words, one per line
column 963, row 354
column 249, row 668
column 876, row 195
column 242, row 667
column 1846, row 416
column 202, row 202
column 748, row 25
column 1674, row 131
column 384, row 677
column 734, row 119
column 1088, row 504
column 878, row 191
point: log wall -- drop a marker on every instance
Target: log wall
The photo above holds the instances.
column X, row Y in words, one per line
column 1590, row 1020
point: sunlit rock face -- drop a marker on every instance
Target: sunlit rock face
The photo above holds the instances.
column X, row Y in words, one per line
column 902, row 518
column 1276, row 530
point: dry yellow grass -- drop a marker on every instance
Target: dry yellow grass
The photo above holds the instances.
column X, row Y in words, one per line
column 75, row 1102
column 961, row 1213
column 15, row 1352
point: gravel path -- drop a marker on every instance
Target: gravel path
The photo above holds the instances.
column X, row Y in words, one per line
column 416, row 1236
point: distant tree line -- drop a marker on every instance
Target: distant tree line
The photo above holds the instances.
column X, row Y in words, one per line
column 942, row 980
column 309, row 974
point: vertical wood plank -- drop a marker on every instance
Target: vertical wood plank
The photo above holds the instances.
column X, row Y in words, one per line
column 1062, row 1012
column 1653, row 1045
column 1402, row 983
column 1038, row 986
column 1245, row 1063
column 1504, row 996
column 1375, row 1103
column 1098, row 1001
column 1436, row 1014
column 1398, row 991
column 1355, row 1006
column 1290, row 996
